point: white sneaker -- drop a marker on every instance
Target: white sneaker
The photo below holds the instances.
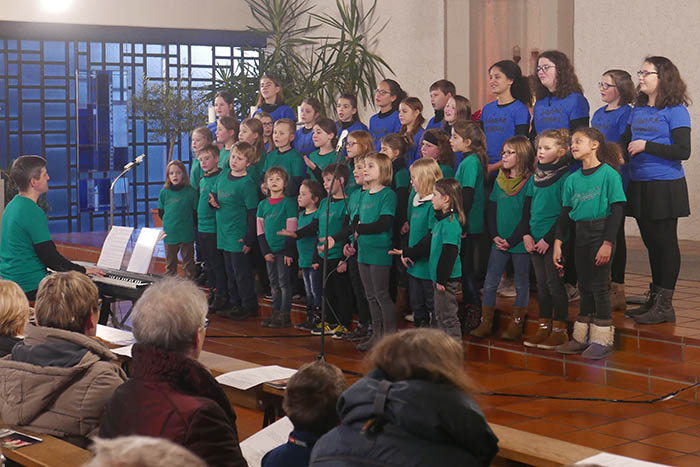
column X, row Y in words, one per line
column 506, row 288
column 408, row 317
column 572, row 292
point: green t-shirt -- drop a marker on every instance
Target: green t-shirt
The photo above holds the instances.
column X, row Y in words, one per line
column 590, row 196
column 402, row 178
column 196, row 172
column 351, row 186
column 206, row 215
column 224, row 155
column 470, row 173
column 179, row 207
column 24, row 225
column 421, row 219
column 509, row 212
column 354, row 203
column 306, row 245
column 374, row 248
column 446, row 231
column 336, row 221
column 289, row 160
column 275, row 217
column 323, row 161
column 447, row 171
column 235, row 195
column 256, row 170
column 545, row 207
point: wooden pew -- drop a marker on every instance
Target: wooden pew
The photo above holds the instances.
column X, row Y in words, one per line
column 51, row 452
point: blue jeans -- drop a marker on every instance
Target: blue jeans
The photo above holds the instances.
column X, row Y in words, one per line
column 280, row 285
column 312, row 285
column 421, row 299
column 497, row 264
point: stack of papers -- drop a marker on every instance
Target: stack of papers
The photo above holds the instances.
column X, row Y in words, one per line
column 255, row 447
column 246, row 379
column 115, row 336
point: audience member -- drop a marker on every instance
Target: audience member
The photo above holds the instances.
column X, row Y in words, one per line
column 140, row 451
column 14, row 314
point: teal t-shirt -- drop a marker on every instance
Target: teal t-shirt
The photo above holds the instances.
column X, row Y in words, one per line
column 545, row 207
column 306, row 245
column 206, row 215
column 196, row 172
column 402, row 178
column 24, row 225
column 224, row 155
column 446, row 231
column 351, row 186
column 590, row 196
column 323, row 161
column 509, row 212
column 374, row 248
column 336, row 220
column 257, row 170
column 470, row 173
column 421, row 219
column 179, row 207
column 275, row 217
column 447, row 171
column 235, row 195
column 289, row 160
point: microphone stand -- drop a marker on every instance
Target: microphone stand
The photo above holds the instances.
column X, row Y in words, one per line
column 127, row 168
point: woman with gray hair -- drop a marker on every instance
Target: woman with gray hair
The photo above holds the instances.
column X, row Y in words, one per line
column 170, row 394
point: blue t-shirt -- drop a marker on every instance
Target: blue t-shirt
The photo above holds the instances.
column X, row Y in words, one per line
column 553, row 113
column 652, row 124
column 414, row 152
column 612, row 124
column 433, row 124
column 303, row 141
column 212, row 127
column 380, row 126
column 358, row 125
column 499, row 124
column 282, row 111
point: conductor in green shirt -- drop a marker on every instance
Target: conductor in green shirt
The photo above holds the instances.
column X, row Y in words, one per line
column 26, row 248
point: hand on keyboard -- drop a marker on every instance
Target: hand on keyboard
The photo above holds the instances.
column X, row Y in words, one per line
column 93, row 271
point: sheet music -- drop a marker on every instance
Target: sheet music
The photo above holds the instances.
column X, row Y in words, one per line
column 114, row 247
column 115, row 336
column 256, row 446
column 612, row 460
column 246, row 379
column 124, row 351
column 141, row 257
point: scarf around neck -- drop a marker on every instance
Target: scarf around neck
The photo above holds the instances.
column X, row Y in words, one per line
column 511, row 186
column 548, row 174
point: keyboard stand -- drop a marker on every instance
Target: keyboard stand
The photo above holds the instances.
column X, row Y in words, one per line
column 107, row 311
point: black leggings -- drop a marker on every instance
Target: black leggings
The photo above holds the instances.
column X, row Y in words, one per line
column 619, row 260
column 661, row 239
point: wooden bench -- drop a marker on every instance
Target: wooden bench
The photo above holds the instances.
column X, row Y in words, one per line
column 51, row 452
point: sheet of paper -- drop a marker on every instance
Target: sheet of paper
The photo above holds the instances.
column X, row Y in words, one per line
column 114, row 247
column 141, row 257
column 612, row 460
column 115, row 336
column 125, row 351
column 255, row 447
column 246, row 379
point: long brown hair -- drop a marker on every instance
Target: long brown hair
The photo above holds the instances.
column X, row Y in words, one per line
column 672, row 90
column 422, row 354
column 623, row 83
column 523, row 151
column 608, row 152
column 473, row 132
column 414, row 104
column 452, row 189
column 567, row 81
column 179, row 165
column 279, row 98
column 446, row 155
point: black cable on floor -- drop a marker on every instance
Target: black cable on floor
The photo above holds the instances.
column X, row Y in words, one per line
column 286, row 336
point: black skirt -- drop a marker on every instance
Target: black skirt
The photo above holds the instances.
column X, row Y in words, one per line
column 658, row 199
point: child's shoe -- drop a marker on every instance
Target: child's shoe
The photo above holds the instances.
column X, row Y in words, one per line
column 328, row 329
column 486, row 327
column 267, row 322
column 602, row 338
column 558, row 336
column 579, row 341
column 359, row 334
column 281, row 320
column 310, row 322
column 543, row 332
column 517, row 322
column 340, row 331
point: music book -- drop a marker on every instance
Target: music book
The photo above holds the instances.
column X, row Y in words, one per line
column 250, row 377
column 257, row 445
column 114, row 247
column 142, row 255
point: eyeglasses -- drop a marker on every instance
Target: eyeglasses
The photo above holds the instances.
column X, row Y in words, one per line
column 350, row 143
column 605, row 86
column 381, row 92
column 507, row 153
column 544, row 68
column 644, row 73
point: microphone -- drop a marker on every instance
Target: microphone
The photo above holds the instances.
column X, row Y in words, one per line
column 341, row 140
column 135, row 162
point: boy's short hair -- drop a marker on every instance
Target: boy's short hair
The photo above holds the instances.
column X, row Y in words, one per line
column 311, row 396
column 386, row 171
column 289, row 122
column 26, row 168
column 360, row 158
column 315, row 189
column 279, row 171
column 343, row 171
column 210, row 148
column 246, row 150
column 65, row 300
column 447, row 87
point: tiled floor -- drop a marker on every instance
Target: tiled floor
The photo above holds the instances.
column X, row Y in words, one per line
column 667, row 432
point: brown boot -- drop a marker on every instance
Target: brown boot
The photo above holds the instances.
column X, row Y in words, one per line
column 543, row 332
column 559, row 336
column 485, row 329
column 515, row 327
column 618, row 301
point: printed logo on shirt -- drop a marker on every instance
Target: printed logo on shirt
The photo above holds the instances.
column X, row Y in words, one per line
column 648, row 124
column 495, row 124
column 580, row 197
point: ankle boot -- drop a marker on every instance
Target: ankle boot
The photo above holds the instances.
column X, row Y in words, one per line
column 618, row 301
column 543, row 332
column 579, row 341
column 661, row 311
column 559, row 336
column 515, row 327
column 486, row 327
column 646, row 306
column 602, row 338
column 374, row 337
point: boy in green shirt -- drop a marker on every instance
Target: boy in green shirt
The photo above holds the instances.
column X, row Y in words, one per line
column 26, row 248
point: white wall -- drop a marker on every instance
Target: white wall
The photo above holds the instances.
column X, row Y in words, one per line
column 610, row 34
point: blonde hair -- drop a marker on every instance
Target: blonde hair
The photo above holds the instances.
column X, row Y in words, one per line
column 425, row 172
column 179, row 165
column 423, row 354
column 205, row 133
column 386, row 172
column 561, row 137
column 65, row 300
column 289, row 122
column 14, row 309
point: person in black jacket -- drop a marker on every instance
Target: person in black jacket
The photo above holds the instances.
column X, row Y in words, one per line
column 412, row 409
